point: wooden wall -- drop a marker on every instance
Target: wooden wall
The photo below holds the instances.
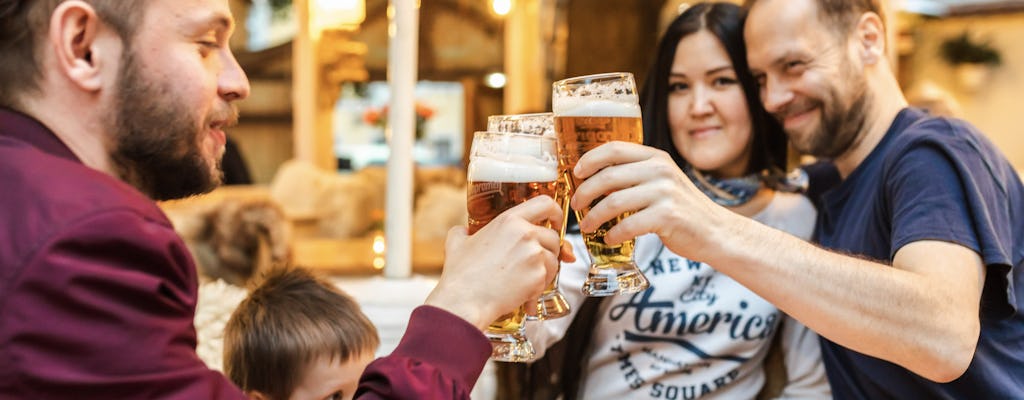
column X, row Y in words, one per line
column 612, row 36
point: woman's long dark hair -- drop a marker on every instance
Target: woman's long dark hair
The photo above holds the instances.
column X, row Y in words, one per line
column 725, row 22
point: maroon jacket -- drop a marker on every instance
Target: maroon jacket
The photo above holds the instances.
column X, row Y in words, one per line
column 98, row 294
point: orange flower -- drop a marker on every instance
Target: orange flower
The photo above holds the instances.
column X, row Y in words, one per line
column 424, row 111
column 372, row 116
column 378, row 116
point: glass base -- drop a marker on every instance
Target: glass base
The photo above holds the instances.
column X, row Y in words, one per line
column 510, row 347
column 550, row 305
column 613, row 279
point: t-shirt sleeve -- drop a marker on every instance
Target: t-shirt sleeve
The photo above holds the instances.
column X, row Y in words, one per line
column 104, row 311
column 440, row 357
column 941, row 187
column 570, row 279
column 805, row 373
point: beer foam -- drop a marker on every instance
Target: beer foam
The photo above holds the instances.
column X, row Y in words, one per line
column 622, row 106
column 512, row 168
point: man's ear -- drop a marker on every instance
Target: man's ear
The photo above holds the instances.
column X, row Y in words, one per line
column 75, row 38
column 869, row 35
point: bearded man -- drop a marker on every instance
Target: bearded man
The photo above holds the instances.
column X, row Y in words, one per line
column 107, row 105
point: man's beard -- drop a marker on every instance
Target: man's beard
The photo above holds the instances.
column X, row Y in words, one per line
column 157, row 138
column 841, row 124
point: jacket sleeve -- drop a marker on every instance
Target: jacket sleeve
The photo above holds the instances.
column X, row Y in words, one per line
column 440, row 357
column 103, row 310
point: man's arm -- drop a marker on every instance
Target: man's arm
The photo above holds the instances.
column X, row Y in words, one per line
column 440, row 356
column 104, row 310
column 923, row 313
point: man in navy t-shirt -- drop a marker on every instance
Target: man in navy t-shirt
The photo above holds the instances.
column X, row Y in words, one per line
column 918, row 291
column 933, row 179
column 930, row 197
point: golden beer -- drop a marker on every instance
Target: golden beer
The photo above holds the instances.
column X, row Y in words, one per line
column 590, row 111
column 506, row 169
column 577, row 135
column 488, row 199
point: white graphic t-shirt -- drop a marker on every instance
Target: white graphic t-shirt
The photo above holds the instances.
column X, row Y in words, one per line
column 695, row 333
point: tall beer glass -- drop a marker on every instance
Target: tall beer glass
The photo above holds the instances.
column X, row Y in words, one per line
column 590, row 111
column 552, row 303
column 506, row 169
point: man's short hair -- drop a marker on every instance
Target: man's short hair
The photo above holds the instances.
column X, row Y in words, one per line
column 841, row 15
column 289, row 321
column 23, row 28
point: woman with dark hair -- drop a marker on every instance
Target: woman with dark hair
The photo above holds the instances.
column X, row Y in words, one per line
column 723, row 23
column 694, row 333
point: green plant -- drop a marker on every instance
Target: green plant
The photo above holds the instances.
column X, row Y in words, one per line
column 961, row 49
column 280, row 4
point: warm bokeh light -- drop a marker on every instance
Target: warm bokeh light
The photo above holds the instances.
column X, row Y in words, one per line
column 336, row 14
column 501, row 7
column 496, row 80
column 378, row 244
column 378, row 251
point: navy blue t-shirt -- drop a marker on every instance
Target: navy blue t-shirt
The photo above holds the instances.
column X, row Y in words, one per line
column 934, row 179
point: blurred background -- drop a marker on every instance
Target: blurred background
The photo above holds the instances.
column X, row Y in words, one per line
column 482, row 57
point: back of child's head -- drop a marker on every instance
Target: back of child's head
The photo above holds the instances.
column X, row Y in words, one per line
column 290, row 320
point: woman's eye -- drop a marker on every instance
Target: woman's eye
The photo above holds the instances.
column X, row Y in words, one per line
column 676, row 87
column 336, row 396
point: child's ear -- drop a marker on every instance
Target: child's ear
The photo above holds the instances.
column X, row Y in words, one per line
column 256, row 395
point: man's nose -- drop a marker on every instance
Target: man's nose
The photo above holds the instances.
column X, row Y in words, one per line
column 232, row 84
column 775, row 94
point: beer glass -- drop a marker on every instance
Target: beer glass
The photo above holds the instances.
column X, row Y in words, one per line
column 537, row 123
column 590, row 111
column 552, row 303
column 506, row 169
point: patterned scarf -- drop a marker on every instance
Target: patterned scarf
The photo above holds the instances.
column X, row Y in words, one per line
column 730, row 192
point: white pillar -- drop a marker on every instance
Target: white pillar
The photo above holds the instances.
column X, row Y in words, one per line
column 403, row 32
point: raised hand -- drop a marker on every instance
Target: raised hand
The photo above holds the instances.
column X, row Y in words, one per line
column 503, row 265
